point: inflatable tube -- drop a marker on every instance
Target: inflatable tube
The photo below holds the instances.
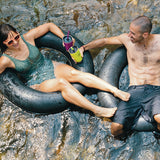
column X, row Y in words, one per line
column 111, row 71
column 35, row 101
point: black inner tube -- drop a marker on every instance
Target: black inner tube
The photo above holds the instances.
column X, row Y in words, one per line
column 36, row 101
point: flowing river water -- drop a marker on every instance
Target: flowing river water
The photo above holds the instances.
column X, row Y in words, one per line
column 74, row 134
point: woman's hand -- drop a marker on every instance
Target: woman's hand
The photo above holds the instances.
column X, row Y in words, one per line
column 72, row 40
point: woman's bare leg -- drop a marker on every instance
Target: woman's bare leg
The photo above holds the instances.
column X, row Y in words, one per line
column 73, row 96
column 89, row 80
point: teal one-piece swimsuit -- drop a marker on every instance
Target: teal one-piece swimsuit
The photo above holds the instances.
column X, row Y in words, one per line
column 36, row 68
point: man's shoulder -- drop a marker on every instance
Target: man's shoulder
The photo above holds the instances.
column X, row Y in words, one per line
column 124, row 34
column 124, row 38
column 155, row 35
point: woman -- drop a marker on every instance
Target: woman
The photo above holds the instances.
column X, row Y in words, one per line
column 20, row 53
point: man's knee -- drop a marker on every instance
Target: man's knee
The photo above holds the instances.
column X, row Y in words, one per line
column 157, row 118
column 116, row 129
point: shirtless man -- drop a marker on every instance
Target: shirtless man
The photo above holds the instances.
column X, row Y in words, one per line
column 143, row 53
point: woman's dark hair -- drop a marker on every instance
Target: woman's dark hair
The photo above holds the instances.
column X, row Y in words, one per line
column 4, row 31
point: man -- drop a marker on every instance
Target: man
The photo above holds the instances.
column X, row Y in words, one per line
column 143, row 53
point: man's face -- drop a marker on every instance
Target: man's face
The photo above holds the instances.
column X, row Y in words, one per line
column 135, row 35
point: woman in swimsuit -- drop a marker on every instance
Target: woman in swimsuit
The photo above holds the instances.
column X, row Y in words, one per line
column 20, row 53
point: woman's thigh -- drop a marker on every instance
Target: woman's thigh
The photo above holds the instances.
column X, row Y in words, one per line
column 67, row 72
column 61, row 71
column 51, row 85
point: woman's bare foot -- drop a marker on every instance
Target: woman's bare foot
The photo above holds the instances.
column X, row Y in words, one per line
column 105, row 112
column 122, row 95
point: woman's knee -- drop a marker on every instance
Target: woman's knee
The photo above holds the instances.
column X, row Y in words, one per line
column 52, row 85
column 67, row 72
column 74, row 76
column 62, row 82
column 116, row 129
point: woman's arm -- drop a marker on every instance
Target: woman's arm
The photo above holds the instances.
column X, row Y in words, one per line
column 41, row 30
column 5, row 63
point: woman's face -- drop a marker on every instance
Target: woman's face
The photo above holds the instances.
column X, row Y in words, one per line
column 13, row 40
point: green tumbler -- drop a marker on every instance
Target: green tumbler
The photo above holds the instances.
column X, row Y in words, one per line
column 75, row 53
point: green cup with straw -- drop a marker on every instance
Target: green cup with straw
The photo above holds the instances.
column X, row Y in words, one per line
column 75, row 54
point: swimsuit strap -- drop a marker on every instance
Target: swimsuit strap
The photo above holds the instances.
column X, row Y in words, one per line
column 30, row 62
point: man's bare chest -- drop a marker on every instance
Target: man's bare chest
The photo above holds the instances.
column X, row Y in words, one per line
column 144, row 56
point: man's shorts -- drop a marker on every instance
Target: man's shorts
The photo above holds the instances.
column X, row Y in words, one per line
column 144, row 101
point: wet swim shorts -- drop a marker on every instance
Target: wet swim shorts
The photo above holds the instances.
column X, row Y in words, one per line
column 144, row 100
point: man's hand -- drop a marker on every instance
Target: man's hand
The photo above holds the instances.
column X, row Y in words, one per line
column 81, row 49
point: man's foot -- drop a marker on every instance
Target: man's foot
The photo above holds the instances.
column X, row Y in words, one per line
column 122, row 95
column 105, row 112
column 124, row 136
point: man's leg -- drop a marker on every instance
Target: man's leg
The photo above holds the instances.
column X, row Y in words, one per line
column 116, row 129
column 126, row 113
column 157, row 119
column 156, row 133
column 156, row 111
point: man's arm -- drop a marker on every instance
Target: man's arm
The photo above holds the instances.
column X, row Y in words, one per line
column 102, row 42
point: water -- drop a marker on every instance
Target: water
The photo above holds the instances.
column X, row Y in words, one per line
column 74, row 134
